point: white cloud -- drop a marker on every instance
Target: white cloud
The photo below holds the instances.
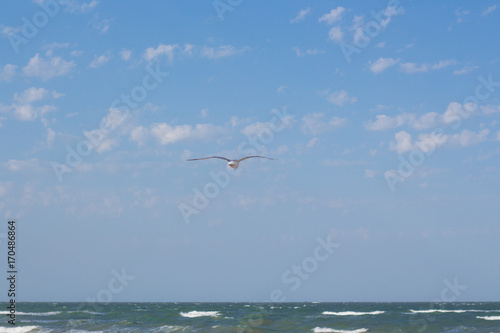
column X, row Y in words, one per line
column 312, row 142
column 7, row 30
column 465, row 70
column 16, row 165
column 315, row 123
column 467, row 138
column 380, row 45
column 411, row 67
column 261, row 128
column 188, row 49
column 166, row 134
column 341, row 98
column 125, row 54
column 8, row 72
column 162, row 49
column 51, row 137
column 33, row 94
column 73, row 6
column 369, row 173
column 139, row 135
column 403, row 142
column 221, row 52
column 456, row 111
column 384, row 122
column 489, row 10
column 333, row 16
column 99, row 60
column 301, row 15
column 382, row 64
column 336, row 34
column 444, row 63
column 490, row 109
column 430, row 141
column 300, row 53
column 47, row 68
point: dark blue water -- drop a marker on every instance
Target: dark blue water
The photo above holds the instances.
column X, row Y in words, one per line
column 254, row 317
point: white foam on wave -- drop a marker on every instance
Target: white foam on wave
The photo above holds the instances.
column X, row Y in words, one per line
column 489, row 317
column 52, row 313
column 445, row 311
column 19, row 329
column 168, row 328
column 352, row 313
column 195, row 314
column 332, row 330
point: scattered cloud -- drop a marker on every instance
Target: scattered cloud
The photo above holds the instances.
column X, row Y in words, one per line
column 74, row 6
column 301, row 53
column 263, row 128
column 336, row 34
column 341, row 98
column 411, row 68
column 101, row 25
column 300, row 15
column 35, row 94
column 166, row 134
column 125, row 54
column 7, row 72
column 382, row 64
column 489, row 10
column 221, row 51
column 47, row 68
column 100, row 60
column 465, row 70
column 430, row 141
column 315, row 123
column 333, row 16
column 152, row 53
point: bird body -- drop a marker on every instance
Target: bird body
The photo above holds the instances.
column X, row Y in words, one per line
column 232, row 163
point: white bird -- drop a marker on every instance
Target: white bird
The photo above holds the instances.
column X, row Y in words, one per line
column 232, row 163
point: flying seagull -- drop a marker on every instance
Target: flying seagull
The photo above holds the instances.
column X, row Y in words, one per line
column 232, row 163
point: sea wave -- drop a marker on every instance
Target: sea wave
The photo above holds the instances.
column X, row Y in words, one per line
column 332, row 330
column 195, row 314
column 446, row 311
column 489, row 317
column 19, row 329
column 168, row 328
column 352, row 313
column 51, row 313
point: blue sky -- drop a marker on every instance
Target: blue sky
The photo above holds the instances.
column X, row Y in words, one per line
column 382, row 118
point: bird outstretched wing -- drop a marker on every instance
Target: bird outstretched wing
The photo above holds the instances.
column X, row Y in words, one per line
column 255, row 156
column 206, row 158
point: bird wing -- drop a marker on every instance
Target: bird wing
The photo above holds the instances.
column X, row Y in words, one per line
column 206, row 158
column 244, row 158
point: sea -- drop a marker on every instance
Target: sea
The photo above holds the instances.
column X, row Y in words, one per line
column 253, row 317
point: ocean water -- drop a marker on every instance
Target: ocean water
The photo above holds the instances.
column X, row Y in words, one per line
column 254, row 317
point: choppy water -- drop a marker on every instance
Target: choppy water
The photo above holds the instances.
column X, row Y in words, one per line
column 254, row 317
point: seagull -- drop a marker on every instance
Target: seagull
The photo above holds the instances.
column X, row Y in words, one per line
column 232, row 163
